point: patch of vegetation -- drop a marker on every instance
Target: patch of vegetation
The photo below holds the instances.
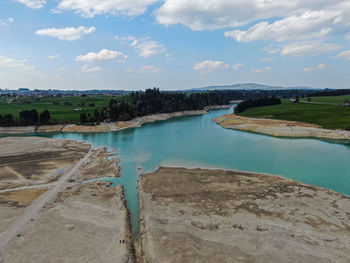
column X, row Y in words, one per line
column 266, row 101
column 154, row 101
column 59, row 112
column 329, row 99
column 338, row 92
column 327, row 116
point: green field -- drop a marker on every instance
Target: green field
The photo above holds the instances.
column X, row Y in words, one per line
column 329, row 99
column 328, row 116
column 60, row 112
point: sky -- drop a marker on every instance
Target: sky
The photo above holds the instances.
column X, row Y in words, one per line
column 173, row 44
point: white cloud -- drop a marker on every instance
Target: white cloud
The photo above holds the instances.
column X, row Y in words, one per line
column 16, row 64
column 32, row 3
column 266, row 59
column 318, row 67
column 62, row 69
column 237, row 66
column 276, row 20
column 321, row 66
column 53, row 56
column 148, row 48
column 87, row 68
column 311, row 48
column 213, row 14
column 308, row 25
column 129, row 70
column 259, row 70
column 271, row 50
column 344, row 54
column 168, row 58
column 145, row 47
column 125, row 39
column 6, row 22
column 90, row 8
column 150, row 68
column 104, row 54
column 68, row 33
column 207, row 66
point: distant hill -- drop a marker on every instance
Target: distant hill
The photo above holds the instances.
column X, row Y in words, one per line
column 249, row 86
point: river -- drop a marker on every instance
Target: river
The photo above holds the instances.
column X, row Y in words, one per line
column 196, row 141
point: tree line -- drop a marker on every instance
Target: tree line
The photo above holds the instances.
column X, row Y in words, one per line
column 26, row 117
column 154, row 101
column 251, row 103
column 339, row 92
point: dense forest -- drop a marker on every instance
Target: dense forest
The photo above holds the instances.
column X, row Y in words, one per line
column 154, row 101
column 339, row 92
column 251, row 103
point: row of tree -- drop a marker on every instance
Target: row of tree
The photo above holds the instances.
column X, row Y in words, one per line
column 339, row 92
column 154, row 101
column 266, row 101
column 26, row 117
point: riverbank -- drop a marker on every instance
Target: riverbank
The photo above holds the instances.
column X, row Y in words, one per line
column 280, row 128
column 107, row 127
column 80, row 222
column 229, row 216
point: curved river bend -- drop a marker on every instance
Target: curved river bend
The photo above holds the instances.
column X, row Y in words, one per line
column 197, row 141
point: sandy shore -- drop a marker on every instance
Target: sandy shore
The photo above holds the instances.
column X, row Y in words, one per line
column 108, row 127
column 196, row 215
column 280, row 128
column 83, row 223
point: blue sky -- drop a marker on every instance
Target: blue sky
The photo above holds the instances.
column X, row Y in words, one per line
column 173, row 44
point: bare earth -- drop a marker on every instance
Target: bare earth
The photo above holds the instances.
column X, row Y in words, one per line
column 108, row 127
column 33, row 160
column 66, row 221
column 280, row 128
column 195, row 215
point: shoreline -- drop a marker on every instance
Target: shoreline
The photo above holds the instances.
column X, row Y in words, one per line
column 109, row 126
column 218, row 210
column 280, row 128
column 212, row 168
column 53, row 222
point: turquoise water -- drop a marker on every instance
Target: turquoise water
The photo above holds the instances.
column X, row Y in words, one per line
column 197, row 141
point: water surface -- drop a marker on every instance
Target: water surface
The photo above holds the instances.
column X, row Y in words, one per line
column 197, row 141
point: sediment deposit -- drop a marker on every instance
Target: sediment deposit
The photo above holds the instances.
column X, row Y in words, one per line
column 280, row 128
column 196, row 215
column 84, row 222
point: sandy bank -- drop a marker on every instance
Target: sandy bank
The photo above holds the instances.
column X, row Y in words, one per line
column 196, row 215
column 83, row 223
column 280, row 128
column 108, row 127
column 26, row 161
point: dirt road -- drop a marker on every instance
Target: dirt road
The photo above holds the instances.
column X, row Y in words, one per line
column 33, row 211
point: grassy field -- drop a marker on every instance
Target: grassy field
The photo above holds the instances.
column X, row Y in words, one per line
column 329, row 99
column 328, row 116
column 58, row 112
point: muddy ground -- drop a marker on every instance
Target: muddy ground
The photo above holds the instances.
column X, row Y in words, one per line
column 195, row 215
column 32, row 160
column 280, row 128
column 87, row 222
